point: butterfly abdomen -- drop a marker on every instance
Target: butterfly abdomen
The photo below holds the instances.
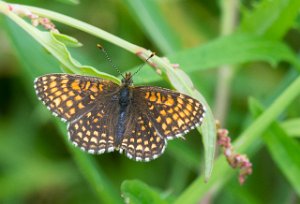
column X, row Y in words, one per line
column 124, row 101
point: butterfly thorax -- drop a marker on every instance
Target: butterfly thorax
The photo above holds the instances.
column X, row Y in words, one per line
column 125, row 98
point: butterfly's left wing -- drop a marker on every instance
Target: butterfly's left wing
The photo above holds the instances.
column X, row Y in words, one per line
column 172, row 114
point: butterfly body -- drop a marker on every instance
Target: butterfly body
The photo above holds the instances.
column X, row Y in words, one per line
column 103, row 116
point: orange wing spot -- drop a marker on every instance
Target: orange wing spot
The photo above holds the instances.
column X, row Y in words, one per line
column 86, row 139
column 69, row 103
column 167, row 132
column 75, row 85
column 58, row 93
column 169, row 121
column 150, row 124
column 92, row 97
column 53, row 89
column 45, row 88
column 79, row 134
column 61, row 110
column 146, row 142
column 175, row 117
column 176, row 108
column 81, row 106
column 174, row 128
column 186, row 112
column 152, row 97
column 57, row 101
column 182, row 114
column 95, row 120
column 131, row 140
column 139, row 147
column 189, row 107
column 158, row 139
column 146, row 148
column 89, row 114
column 143, row 128
column 151, row 139
column 164, row 126
column 87, row 85
column 88, row 133
column 78, row 98
column 163, row 98
column 158, row 98
column 65, row 90
column 94, row 140
column 71, row 93
column 169, row 101
column 76, row 126
column 44, row 78
column 52, row 84
column 186, row 120
column 180, row 100
column 158, row 119
column 94, row 88
column 139, row 140
column 72, row 111
column 51, row 105
column 53, row 77
column 151, row 107
column 101, row 87
column 64, row 81
column 67, row 115
column 163, row 112
column 51, row 97
column 170, row 110
column 153, row 146
column 147, row 94
column 180, row 122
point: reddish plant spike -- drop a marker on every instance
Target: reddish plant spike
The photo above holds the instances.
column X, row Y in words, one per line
column 103, row 116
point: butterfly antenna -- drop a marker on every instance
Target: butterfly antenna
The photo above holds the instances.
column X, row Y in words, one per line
column 110, row 61
column 152, row 54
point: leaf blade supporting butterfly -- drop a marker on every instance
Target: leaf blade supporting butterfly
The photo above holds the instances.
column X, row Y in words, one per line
column 103, row 116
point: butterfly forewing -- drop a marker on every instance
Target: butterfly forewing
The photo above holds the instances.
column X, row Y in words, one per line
column 70, row 96
column 173, row 114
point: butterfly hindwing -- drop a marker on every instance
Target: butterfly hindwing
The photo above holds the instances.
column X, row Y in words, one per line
column 92, row 132
column 141, row 141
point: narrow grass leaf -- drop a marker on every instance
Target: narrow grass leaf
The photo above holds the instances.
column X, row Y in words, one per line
column 292, row 127
column 283, row 149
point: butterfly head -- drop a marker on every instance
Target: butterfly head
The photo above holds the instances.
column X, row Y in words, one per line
column 127, row 80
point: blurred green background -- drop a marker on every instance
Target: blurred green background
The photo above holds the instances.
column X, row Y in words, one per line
column 37, row 165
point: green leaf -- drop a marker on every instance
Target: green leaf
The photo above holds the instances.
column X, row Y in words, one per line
column 240, row 48
column 248, row 142
column 283, row 149
column 292, row 127
column 271, row 19
column 137, row 192
column 67, row 40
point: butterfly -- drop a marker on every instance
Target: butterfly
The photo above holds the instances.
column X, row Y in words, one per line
column 103, row 116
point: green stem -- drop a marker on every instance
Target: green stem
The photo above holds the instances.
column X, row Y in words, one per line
column 247, row 140
column 226, row 72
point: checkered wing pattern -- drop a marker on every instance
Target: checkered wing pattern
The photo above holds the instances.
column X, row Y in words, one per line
column 172, row 114
column 71, row 96
column 94, row 132
column 141, row 140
